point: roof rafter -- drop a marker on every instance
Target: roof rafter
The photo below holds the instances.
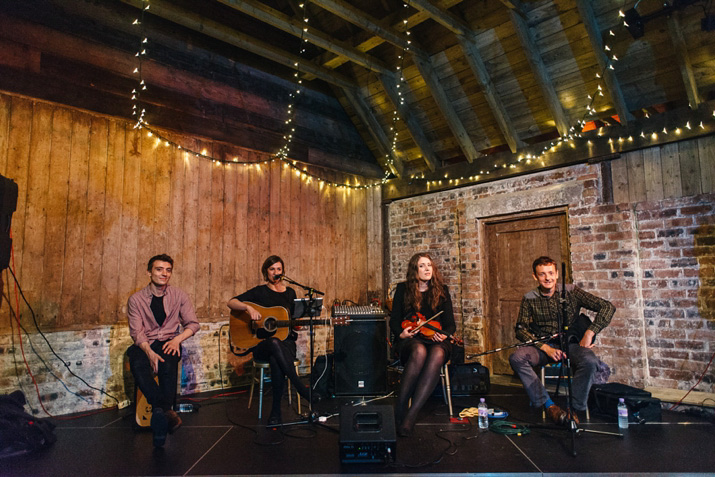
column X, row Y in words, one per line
column 588, row 17
column 359, row 104
column 416, row 132
column 295, row 27
column 540, row 73
column 423, row 63
column 466, row 37
column 683, row 58
column 195, row 21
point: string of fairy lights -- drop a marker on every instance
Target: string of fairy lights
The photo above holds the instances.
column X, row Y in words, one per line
column 301, row 170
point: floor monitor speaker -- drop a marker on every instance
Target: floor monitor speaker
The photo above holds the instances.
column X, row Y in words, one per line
column 367, row 434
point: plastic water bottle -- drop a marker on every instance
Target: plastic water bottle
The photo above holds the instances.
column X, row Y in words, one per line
column 622, row 414
column 483, row 412
column 185, row 407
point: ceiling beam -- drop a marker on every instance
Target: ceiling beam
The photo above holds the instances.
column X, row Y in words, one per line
column 428, row 154
column 471, row 53
column 295, row 27
column 359, row 18
column 588, row 17
column 385, row 149
column 589, row 148
column 194, row 21
column 538, row 68
column 375, row 41
column 423, row 63
column 466, row 37
column 683, row 58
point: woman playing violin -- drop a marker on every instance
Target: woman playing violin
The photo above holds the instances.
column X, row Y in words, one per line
column 422, row 350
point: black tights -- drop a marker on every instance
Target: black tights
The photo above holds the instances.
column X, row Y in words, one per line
column 280, row 358
column 419, row 379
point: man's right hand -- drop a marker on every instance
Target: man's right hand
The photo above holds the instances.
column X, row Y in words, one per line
column 554, row 353
column 153, row 357
column 154, row 360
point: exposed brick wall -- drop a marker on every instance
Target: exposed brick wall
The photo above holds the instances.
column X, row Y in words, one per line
column 654, row 260
column 98, row 357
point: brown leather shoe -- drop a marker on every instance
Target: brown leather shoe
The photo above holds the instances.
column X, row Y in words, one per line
column 572, row 414
column 556, row 414
column 174, row 420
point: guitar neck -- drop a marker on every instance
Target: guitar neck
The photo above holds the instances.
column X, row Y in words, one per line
column 301, row 322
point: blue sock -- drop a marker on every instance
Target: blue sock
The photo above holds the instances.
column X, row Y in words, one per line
column 548, row 403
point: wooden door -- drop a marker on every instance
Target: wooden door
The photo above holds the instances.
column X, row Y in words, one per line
column 511, row 247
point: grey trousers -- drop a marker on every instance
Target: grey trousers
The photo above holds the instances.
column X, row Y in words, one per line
column 583, row 362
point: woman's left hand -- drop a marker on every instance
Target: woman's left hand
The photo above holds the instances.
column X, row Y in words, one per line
column 438, row 337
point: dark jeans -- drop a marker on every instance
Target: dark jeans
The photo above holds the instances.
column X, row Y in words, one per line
column 583, row 362
column 164, row 393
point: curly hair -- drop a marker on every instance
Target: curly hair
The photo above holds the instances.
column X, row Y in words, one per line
column 435, row 287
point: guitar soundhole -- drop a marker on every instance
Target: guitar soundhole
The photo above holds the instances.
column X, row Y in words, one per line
column 269, row 324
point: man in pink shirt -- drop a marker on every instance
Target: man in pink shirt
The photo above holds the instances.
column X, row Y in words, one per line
column 160, row 319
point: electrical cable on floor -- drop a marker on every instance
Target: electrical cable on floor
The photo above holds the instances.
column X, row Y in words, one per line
column 694, row 385
column 509, row 428
column 37, row 354
column 37, row 326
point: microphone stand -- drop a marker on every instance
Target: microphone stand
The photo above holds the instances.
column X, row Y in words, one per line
column 310, row 292
column 563, row 326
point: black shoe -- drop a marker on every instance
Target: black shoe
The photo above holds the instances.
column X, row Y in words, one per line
column 159, row 426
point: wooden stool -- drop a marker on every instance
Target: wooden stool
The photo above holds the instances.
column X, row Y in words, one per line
column 262, row 366
column 446, row 388
column 543, row 383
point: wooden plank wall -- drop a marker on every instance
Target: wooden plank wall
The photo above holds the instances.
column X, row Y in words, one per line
column 97, row 198
column 673, row 170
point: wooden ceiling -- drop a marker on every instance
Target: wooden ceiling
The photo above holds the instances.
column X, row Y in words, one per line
column 481, row 77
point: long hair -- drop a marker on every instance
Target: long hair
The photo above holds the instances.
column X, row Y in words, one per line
column 435, row 287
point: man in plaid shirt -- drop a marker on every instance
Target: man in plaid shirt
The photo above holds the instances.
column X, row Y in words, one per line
column 539, row 317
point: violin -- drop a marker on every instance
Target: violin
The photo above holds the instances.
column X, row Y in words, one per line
column 428, row 328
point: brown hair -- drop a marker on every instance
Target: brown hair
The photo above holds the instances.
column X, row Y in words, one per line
column 544, row 260
column 273, row 259
column 161, row 258
column 435, row 288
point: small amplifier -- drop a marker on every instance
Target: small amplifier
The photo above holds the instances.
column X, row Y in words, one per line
column 367, row 434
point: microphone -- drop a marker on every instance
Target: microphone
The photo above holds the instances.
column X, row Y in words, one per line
column 279, row 277
column 289, row 280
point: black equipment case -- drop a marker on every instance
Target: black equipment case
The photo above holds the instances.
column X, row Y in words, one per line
column 468, row 379
column 603, row 400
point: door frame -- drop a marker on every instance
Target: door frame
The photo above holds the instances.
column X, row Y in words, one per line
column 485, row 272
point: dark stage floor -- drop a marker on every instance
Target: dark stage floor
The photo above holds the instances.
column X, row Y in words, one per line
column 224, row 438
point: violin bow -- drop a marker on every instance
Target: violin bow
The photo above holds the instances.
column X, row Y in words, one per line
column 427, row 321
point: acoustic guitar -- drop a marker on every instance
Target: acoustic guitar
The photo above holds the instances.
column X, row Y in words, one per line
column 245, row 333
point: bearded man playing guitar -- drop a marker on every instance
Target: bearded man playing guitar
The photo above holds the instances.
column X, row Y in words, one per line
column 280, row 354
column 538, row 316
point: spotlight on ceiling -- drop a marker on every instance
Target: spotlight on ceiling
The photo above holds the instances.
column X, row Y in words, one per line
column 636, row 25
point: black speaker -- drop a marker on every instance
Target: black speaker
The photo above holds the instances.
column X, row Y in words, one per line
column 367, row 434
column 8, row 204
column 361, row 357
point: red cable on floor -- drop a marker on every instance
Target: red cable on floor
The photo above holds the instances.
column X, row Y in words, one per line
column 694, row 386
